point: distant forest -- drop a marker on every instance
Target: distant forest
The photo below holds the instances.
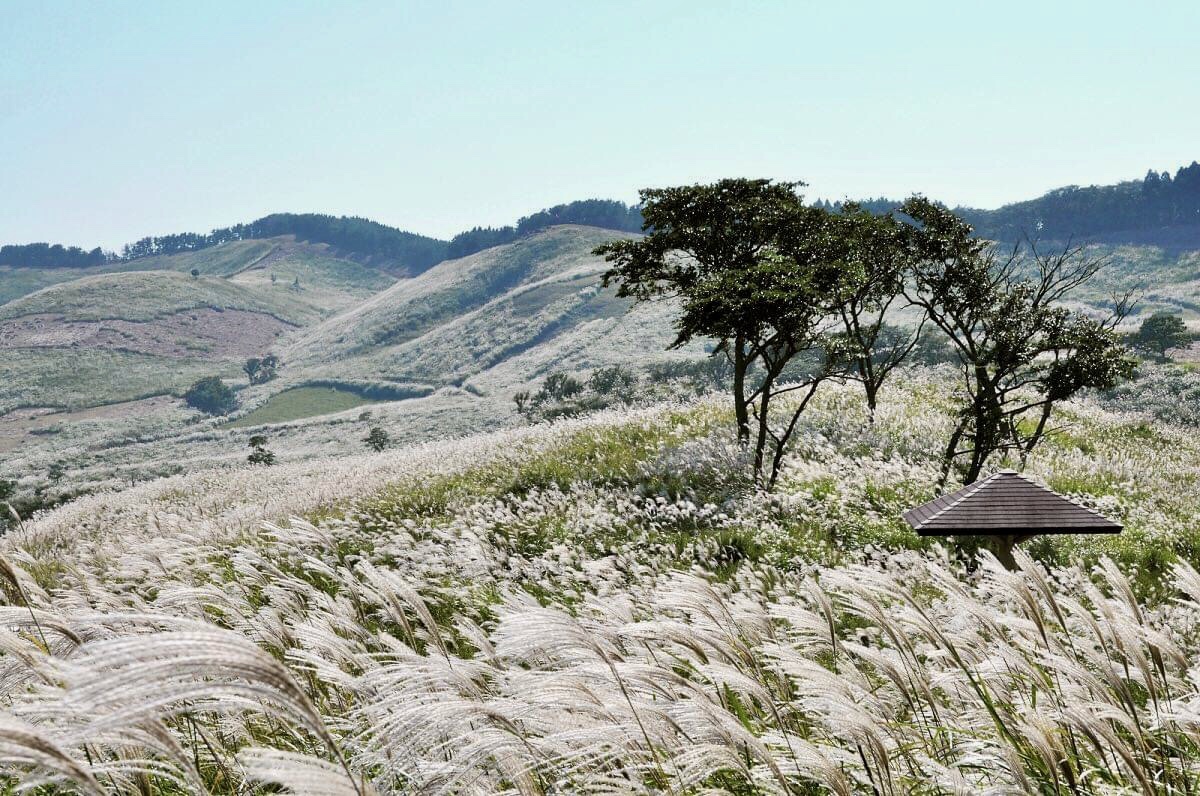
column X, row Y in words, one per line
column 43, row 255
column 354, row 236
column 357, row 236
column 1151, row 206
column 1156, row 203
column 604, row 213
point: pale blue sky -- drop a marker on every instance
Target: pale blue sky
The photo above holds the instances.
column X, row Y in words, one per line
column 119, row 120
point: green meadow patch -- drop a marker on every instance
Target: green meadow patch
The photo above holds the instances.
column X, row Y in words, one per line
column 301, row 402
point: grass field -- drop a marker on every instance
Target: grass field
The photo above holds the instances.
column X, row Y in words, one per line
column 68, row 379
column 301, row 402
column 144, row 296
column 606, row 605
column 17, row 282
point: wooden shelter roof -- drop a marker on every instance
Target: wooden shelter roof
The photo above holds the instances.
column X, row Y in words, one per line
column 1006, row 503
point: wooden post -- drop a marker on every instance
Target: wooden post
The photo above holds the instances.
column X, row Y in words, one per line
column 1002, row 548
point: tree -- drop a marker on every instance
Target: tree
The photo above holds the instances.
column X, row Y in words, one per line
column 872, row 347
column 261, row 371
column 7, row 489
column 56, row 472
column 195, row 273
column 522, row 400
column 757, row 270
column 377, row 439
column 1161, row 332
column 211, row 396
column 1020, row 352
column 258, row 451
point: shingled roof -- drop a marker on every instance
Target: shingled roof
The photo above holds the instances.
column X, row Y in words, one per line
column 1006, row 503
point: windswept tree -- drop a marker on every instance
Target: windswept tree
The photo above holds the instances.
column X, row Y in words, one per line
column 1020, row 351
column 876, row 246
column 760, row 272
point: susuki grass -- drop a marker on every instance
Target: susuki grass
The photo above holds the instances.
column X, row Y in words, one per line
column 605, row 605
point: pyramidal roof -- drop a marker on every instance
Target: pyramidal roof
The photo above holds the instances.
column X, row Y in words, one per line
column 1006, row 503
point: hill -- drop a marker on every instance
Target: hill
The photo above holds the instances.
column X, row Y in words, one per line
column 152, row 331
column 445, row 350
column 497, row 319
column 441, row 353
column 147, row 296
column 605, row 605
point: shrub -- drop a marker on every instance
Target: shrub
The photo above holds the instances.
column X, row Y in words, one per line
column 211, row 396
column 377, row 439
column 258, row 451
column 261, row 371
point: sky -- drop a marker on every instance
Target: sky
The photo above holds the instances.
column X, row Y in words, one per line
column 122, row 119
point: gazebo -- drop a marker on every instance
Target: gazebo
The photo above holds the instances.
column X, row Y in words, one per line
column 1007, row 508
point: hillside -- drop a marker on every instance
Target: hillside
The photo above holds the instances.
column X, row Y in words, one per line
column 445, row 350
column 439, row 354
column 604, row 605
column 148, row 296
column 156, row 329
column 496, row 318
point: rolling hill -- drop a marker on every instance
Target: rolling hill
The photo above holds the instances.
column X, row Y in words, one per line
column 495, row 320
column 445, row 349
column 439, row 353
column 95, row 357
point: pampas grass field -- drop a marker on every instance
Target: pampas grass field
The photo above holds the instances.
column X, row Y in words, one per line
column 605, row 605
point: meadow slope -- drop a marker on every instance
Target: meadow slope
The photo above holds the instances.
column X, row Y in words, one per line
column 605, row 606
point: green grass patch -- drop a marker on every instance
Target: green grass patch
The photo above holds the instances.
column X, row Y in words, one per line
column 299, row 403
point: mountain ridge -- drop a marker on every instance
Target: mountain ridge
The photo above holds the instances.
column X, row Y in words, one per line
column 1158, row 209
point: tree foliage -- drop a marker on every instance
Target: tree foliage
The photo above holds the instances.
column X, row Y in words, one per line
column 1147, row 209
column 352, row 235
column 45, row 255
column 1020, row 352
column 760, row 272
column 211, row 396
column 261, row 370
column 604, row 213
column 1162, row 332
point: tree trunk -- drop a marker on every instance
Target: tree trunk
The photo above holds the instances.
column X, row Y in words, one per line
column 872, row 391
column 741, row 407
column 760, row 443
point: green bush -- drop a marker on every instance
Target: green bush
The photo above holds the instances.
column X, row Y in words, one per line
column 211, row 396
